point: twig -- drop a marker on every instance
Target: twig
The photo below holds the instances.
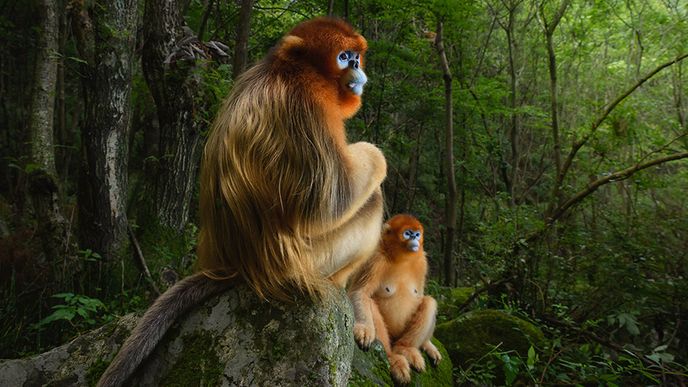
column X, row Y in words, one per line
column 142, row 261
column 482, row 290
column 598, row 339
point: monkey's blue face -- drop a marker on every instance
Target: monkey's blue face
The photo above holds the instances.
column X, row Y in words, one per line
column 413, row 239
column 355, row 78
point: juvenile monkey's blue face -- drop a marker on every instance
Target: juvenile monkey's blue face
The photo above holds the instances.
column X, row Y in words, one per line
column 354, row 79
column 412, row 238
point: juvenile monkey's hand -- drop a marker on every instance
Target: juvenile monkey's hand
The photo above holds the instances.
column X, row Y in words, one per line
column 364, row 334
column 432, row 351
column 399, row 368
column 414, row 357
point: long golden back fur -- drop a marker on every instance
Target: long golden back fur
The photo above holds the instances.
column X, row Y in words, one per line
column 273, row 171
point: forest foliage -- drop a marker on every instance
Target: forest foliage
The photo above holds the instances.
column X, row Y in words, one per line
column 558, row 193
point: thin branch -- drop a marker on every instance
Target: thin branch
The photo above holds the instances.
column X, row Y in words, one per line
column 142, row 261
column 478, row 292
column 616, row 176
column 577, row 145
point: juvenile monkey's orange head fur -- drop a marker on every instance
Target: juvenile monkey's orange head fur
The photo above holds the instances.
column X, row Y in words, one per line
column 402, row 235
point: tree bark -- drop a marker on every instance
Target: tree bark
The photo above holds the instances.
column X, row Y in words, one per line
column 549, row 28
column 105, row 37
column 43, row 184
column 450, row 220
column 243, row 31
column 45, row 73
column 177, row 91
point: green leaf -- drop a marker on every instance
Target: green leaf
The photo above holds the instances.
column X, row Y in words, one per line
column 531, row 358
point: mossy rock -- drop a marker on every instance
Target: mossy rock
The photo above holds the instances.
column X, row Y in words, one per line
column 371, row 368
column 472, row 336
column 234, row 339
column 449, row 300
column 449, row 310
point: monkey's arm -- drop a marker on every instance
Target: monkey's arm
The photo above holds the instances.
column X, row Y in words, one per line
column 363, row 286
column 366, row 168
column 176, row 301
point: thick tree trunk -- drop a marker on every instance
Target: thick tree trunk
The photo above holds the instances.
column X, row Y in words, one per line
column 450, row 220
column 43, row 186
column 43, row 106
column 176, row 88
column 106, row 36
column 243, row 31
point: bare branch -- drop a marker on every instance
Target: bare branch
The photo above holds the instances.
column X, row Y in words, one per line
column 593, row 186
column 577, row 145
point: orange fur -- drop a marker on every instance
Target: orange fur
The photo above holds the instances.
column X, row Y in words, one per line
column 387, row 294
column 284, row 197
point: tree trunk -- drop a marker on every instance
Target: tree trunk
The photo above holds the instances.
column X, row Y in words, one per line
column 43, row 185
column 177, row 91
column 105, row 37
column 549, row 28
column 243, row 31
column 513, row 121
column 450, row 220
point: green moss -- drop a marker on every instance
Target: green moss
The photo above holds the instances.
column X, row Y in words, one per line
column 198, row 364
column 95, row 371
column 371, row 368
column 440, row 375
column 449, row 299
column 475, row 334
column 460, row 295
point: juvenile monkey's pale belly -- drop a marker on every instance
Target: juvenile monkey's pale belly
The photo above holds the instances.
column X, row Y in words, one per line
column 397, row 303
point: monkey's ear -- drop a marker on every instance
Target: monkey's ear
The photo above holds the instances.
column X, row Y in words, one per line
column 386, row 228
column 291, row 46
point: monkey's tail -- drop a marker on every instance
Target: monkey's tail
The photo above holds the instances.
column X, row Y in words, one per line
column 176, row 301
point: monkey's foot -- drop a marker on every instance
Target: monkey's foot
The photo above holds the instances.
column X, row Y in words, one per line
column 413, row 355
column 432, row 352
column 399, row 368
column 364, row 335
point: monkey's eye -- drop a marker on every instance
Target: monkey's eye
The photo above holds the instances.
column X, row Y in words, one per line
column 408, row 234
column 343, row 60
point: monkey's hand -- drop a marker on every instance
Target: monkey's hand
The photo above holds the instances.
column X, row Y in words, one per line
column 399, row 368
column 432, row 352
column 368, row 168
column 414, row 357
column 364, row 334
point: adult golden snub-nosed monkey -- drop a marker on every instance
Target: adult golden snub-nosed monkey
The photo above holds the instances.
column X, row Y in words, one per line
column 286, row 203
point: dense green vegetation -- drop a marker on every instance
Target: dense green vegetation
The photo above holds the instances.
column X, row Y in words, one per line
column 570, row 139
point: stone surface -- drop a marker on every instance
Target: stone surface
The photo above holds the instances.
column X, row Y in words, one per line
column 232, row 339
